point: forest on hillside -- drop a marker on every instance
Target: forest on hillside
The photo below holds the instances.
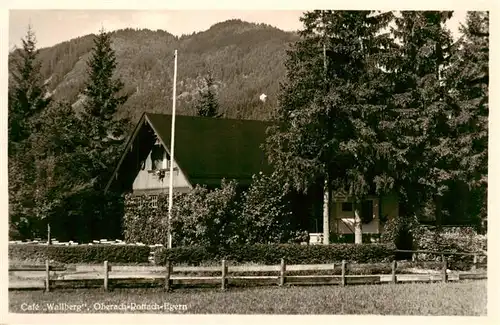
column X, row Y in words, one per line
column 244, row 59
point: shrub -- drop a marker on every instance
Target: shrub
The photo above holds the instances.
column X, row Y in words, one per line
column 401, row 231
column 142, row 222
column 464, row 239
column 349, row 238
column 450, row 239
column 206, row 217
column 272, row 254
column 267, row 212
column 80, row 253
column 199, row 217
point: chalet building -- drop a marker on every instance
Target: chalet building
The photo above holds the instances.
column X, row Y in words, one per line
column 208, row 150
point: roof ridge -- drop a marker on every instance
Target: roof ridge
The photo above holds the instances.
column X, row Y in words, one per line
column 209, row 118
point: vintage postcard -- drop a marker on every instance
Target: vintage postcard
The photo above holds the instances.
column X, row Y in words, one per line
column 174, row 164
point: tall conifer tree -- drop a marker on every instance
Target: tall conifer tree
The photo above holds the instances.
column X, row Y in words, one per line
column 27, row 99
column 207, row 104
column 468, row 79
column 417, row 113
column 326, row 127
column 106, row 132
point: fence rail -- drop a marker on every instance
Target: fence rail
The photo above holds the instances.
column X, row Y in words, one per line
column 229, row 276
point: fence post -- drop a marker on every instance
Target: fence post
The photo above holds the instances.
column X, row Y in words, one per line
column 282, row 272
column 445, row 267
column 474, row 263
column 224, row 274
column 394, row 265
column 106, row 271
column 343, row 282
column 167, row 275
column 47, row 276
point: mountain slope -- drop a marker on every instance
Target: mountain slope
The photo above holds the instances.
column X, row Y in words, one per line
column 246, row 60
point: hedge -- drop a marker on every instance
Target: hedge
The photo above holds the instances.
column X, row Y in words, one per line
column 349, row 238
column 451, row 239
column 272, row 254
column 80, row 253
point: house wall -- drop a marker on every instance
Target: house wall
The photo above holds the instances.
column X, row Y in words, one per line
column 147, row 182
column 342, row 222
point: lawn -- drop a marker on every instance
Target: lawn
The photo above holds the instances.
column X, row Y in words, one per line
column 462, row 298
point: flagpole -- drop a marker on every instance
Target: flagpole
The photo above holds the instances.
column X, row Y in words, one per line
column 172, row 142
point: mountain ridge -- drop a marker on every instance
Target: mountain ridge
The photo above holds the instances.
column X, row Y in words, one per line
column 246, row 60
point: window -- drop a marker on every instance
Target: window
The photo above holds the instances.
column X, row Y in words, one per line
column 157, row 155
column 160, row 160
column 346, row 206
column 153, row 201
column 367, row 211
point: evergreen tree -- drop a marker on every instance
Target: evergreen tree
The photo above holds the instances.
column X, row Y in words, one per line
column 416, row 118
column 106, row 133
column 326, row 122
column 207, row 104
column 468, row 79
column 27, row 99
column 28, row 95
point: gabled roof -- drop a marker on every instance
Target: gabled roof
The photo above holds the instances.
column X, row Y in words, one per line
column 206, row 149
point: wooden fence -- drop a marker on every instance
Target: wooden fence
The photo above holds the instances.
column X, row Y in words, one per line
column 245, row 275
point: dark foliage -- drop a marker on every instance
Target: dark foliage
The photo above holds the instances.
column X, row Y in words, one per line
column 208, row 104
column 27, row 101
column 81, row 253
column 105, row 133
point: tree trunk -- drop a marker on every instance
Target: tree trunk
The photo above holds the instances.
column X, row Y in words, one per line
column 358, row 231
column 438, row 211
column 326, row 213
column 49, row 239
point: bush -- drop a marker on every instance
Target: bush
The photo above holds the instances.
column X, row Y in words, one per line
column 401, row 232
column 459, row 239
column 450, row 239
column 207, row 217
column 144, row 224
column 199, row 217
column 80, row 253
column 349, row 238
column 267, row 212
column 272, row 254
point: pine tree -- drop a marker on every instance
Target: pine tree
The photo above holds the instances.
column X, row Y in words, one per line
column 326, row 125
column 106, row 133
column 416, row 119
column 207, row 104
column 468, row 79
column 27, row 100
column 28, row 94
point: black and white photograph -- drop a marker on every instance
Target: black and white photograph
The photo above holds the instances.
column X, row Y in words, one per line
column 316, row 161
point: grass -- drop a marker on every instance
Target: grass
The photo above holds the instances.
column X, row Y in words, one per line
column 463, row 298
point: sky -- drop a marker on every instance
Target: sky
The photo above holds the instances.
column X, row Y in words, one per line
column 55, row 26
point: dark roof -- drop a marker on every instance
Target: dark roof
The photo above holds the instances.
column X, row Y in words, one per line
column 206, row 149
